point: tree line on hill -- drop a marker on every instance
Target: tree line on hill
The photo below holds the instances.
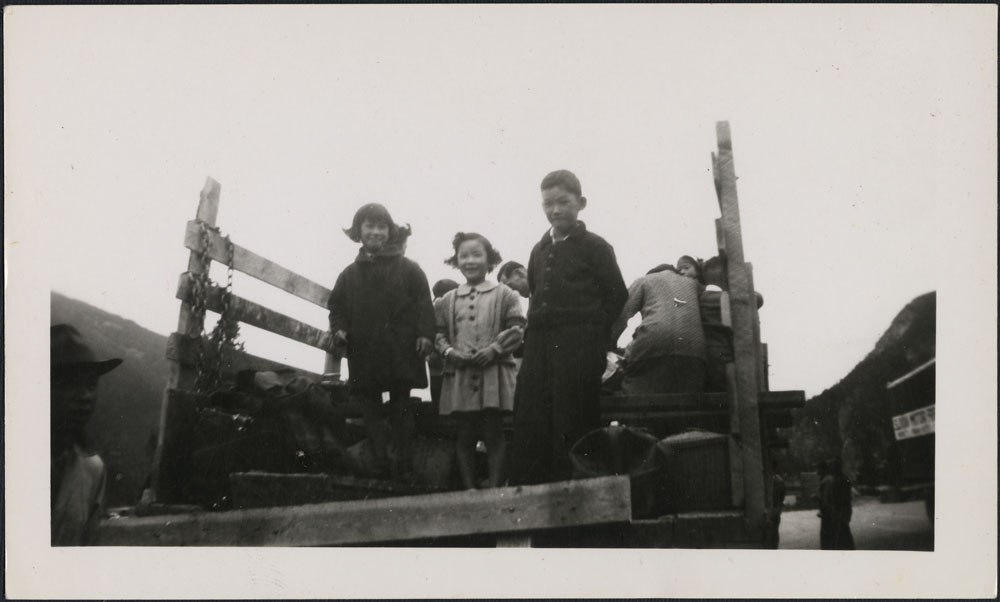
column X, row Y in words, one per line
column 852, row 420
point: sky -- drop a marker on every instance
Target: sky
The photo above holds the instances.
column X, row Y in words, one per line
column 864, row 140
column 842, row 121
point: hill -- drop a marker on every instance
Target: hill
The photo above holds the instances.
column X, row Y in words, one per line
column 851, row 419
column 124, row 424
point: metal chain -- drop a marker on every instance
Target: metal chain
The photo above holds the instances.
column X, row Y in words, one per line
column 226, row 331
column 199, row 300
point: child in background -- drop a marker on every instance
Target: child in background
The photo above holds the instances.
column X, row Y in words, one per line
column 434, row 363
column 689, row 267
column 514, row 275
column 577, row 291
column 479, row 324
column 380, row 311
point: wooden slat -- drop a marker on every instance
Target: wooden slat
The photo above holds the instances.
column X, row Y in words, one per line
column 259, row 267
column 264, row 489
column 184, row 350
column 766, row 400
column 164, row 479
column 735, row 450
column 503, row 510
column 257, row 315
column 743, row 307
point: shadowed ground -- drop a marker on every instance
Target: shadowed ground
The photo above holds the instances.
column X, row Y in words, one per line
column 875, row 526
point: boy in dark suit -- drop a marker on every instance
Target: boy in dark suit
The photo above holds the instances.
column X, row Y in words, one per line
column 577, row 291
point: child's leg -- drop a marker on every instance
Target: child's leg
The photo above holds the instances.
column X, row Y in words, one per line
column 577, row 359
column 403, row 430
column 530, row 456
column 375, row 427
column 465, row 446
column 496, row 446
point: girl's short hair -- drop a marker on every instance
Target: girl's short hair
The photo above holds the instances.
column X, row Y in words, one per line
column 692, row 261
column 493, row 258
column 374, row 213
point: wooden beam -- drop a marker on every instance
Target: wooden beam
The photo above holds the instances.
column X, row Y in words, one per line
column 502, row 510
column 184, row 350
column 767, row 401
column 257, row 489
column 251, row 313
column 743, row 307
column 259, row 267
column 182, row 376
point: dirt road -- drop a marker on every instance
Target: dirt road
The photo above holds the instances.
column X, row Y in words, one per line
column 875, row 526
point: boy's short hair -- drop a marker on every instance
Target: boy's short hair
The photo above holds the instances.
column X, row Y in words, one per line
column 492, row 255
column 563, row 178
column 372, row 212
column 507, row 269
column 443, row 286
column 714, row 268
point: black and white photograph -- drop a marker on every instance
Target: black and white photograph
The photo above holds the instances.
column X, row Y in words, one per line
column 500, row 301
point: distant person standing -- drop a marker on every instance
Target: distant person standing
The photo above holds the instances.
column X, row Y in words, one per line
column 778, row 490
column 835, row 508
column 78, row 476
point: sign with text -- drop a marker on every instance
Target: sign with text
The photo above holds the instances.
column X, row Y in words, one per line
column 914, row 424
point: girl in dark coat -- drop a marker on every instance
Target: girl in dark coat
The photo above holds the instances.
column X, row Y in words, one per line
column 380, row 311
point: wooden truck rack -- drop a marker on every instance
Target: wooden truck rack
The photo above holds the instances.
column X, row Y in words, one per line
column 584, row 513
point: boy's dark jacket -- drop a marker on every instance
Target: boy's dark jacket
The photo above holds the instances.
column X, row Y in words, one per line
column 576, row 281
column 383, row 303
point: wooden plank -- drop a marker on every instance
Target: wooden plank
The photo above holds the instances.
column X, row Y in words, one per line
column 501, row 510
column 680, row 401
column 766, row 400
column 765, row 368
column 257, row 315
column 743, row 307
column 181, row 375
column 259, row 267
column 735, row 452
column 184, row 350
column 514, row 540
column 257, row 489
column 720, row 236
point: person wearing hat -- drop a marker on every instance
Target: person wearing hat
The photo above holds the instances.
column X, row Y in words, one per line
column 78, row 474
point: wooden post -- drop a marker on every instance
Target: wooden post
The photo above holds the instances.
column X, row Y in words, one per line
column 743, row 308
column 165, row 483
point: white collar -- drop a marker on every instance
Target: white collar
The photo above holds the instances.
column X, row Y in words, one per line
column 486, row 285
column 556, row 238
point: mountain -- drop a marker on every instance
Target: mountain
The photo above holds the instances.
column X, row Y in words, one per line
column 851, row 420
column 124, row 425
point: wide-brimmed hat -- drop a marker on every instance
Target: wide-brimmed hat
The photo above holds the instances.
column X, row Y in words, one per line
column 68, row 351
